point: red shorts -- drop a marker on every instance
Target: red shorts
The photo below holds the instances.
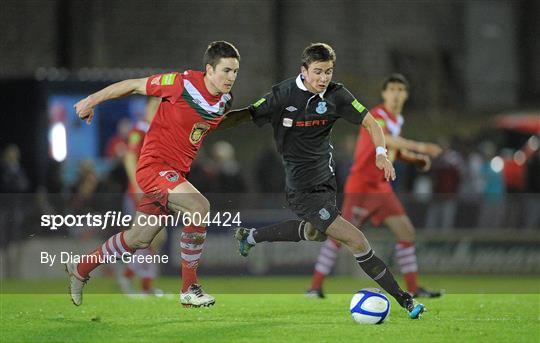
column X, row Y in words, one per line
column 376, row 203
column 156, row 180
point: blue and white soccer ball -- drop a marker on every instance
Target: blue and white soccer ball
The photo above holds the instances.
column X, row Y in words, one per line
column 369, row 306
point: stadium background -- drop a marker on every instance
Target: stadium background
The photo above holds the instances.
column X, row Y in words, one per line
column 475, row 81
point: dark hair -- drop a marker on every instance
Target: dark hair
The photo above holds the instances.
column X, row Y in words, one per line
column 318, row 52
column 396, row 78
column 218, row 50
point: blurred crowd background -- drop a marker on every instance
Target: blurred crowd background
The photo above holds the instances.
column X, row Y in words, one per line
column 475, row 88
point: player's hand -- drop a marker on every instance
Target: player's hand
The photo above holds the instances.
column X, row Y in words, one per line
column 384, row 164
column 424, row 163
column 431, row 149
column 85, row 109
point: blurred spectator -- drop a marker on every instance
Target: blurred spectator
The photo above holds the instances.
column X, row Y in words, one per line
column 513, row 171
column 446, row 174
column 269, row 172
column 202, row 174
column 13, row 176
column 54, row 183
column 492, row 209
column 117, row 144
column 84, row 188
column 13, row 179
column 532, row 203
column 229, row 177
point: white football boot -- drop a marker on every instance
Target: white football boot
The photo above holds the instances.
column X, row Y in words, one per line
column 76, row 283
column 196, row 297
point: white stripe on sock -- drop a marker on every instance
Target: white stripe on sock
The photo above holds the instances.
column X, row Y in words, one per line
column 410, row 268
column 190, row 258
column 365, row 256
column 191, row 246
column 328, row 252
column 330, row 256
column 380, row 275
column 326, row 261
column 322, row 269
column 119, row 243
column 404, row 251
column 406, row 260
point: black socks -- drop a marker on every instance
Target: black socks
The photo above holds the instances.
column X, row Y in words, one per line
column 377, row 270
column 287, row 231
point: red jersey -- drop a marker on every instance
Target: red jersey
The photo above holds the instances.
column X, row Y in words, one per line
column 364, row 174
column 135, row 143
column 184, row 117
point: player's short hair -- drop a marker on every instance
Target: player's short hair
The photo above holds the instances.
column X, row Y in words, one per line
column 318, row 52
column 218, row 50
column 396, row 78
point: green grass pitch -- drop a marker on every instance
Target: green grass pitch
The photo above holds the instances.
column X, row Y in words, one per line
column 270, row 309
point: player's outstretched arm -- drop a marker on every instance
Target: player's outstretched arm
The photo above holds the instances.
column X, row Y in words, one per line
column 399, row 143
column 377, row 136
column 422, row 161
column 234, row 118
column 85, row 107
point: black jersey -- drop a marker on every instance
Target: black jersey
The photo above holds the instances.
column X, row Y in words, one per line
column 302, row 123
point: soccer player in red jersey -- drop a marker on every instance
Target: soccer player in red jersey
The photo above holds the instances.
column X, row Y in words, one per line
column 369, row 195
column 147, row 271
column 193, row 104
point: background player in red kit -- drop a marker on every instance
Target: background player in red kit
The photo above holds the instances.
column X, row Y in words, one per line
column 193, row 104
column 146, row 271
column 369, row 195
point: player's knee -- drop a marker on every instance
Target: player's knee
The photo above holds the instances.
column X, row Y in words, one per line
column 139, row 242
column 201, row 207
column 312, row 234
column 412, row 233
column 408, row 232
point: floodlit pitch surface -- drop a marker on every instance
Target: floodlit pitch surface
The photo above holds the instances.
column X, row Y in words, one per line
column 475, row 309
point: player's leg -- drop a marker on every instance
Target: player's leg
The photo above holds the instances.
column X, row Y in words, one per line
column 148, row 271
column 138, row 236
column 330, row 248
column 405, row 253
column 325, row 262
column 375, row 268
column 314, row 205
column 185, row 198
column 127, row 271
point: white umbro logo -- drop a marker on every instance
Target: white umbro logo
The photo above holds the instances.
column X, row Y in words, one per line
column 291, row 109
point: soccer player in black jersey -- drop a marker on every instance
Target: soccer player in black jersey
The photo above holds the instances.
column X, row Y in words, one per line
column 302, row 111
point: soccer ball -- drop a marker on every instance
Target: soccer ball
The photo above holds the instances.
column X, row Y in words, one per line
column 369, row 306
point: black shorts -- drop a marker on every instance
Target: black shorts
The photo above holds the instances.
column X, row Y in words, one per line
column 316, row 205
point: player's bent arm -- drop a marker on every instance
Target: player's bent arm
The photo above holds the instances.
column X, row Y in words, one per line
column 118, row 90
column 375, row 131
column 420, row 160
column 398, row 143
column 234, row 118
column 377, row 136
column 85, row 107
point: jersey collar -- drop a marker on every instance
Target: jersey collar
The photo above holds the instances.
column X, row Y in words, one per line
column 300, row 84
